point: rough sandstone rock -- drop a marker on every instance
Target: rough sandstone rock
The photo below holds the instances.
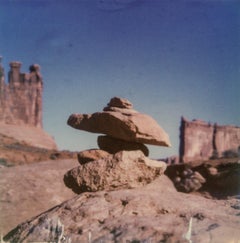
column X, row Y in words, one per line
column 218, row 178
column 91, row 155
column 132, row 127
column 32, row 136
column 227, row 140
column 200, row 140
column 21, row 106
column 114, row 145
column 21, row 98
column 18, row 152
column 153, row 213
column 195, row 140
column 126, row 169
column 120, row 103
column 189, row 181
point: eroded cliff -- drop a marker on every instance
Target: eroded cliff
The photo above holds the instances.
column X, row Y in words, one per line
column 200, row 140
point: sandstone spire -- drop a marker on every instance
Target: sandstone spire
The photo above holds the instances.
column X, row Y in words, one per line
column 21, row 98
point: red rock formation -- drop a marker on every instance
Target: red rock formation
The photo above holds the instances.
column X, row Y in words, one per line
column 201, row 140
column 195, row 140
column 153, row 213
column 125, row 169
column 123, row 123
column 21, row 106
column 227, row 140
column 21, row 98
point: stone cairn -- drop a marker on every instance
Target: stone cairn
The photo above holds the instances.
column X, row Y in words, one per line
column 121, row 160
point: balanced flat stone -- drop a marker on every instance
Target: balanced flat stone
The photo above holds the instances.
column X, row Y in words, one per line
column 125, row 124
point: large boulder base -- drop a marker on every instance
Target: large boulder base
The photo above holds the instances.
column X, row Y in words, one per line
column 126, row 169
column 129, row 126
column 153, row 213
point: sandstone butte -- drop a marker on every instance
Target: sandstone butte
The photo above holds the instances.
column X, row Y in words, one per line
column 119, row 120
column 21, row 107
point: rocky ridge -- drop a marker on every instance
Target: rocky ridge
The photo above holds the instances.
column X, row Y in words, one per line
column 16, row 150
column 153, row 213
column 31, row 136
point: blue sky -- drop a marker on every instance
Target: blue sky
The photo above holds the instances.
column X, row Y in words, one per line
column 169, row 58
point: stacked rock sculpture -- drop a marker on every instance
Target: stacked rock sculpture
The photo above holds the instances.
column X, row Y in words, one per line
column 122, row 150
column 124, row 127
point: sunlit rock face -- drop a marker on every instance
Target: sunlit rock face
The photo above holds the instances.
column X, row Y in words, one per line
column 120, row 121
column 200, row 140
column 21, row 106
column 155, row 212
column 227, row 140
column 21, row 98
column 196, row 140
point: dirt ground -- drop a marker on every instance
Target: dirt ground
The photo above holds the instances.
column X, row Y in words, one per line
column 28, row 190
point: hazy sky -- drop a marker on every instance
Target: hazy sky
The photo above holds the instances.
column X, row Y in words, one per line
column 169, row 58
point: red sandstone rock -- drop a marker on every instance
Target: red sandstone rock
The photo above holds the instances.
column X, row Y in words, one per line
column 129, row 126
column 32, row 136
column 218, row 178
column 153, row 213
column 121, row 170
column 201, row 140
column 196, row 140
column 21, row 99
column 21, row 107
column 113, row 145
column 227, row 140
column 189, row 181
column 120, row 103
column 91, row 155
